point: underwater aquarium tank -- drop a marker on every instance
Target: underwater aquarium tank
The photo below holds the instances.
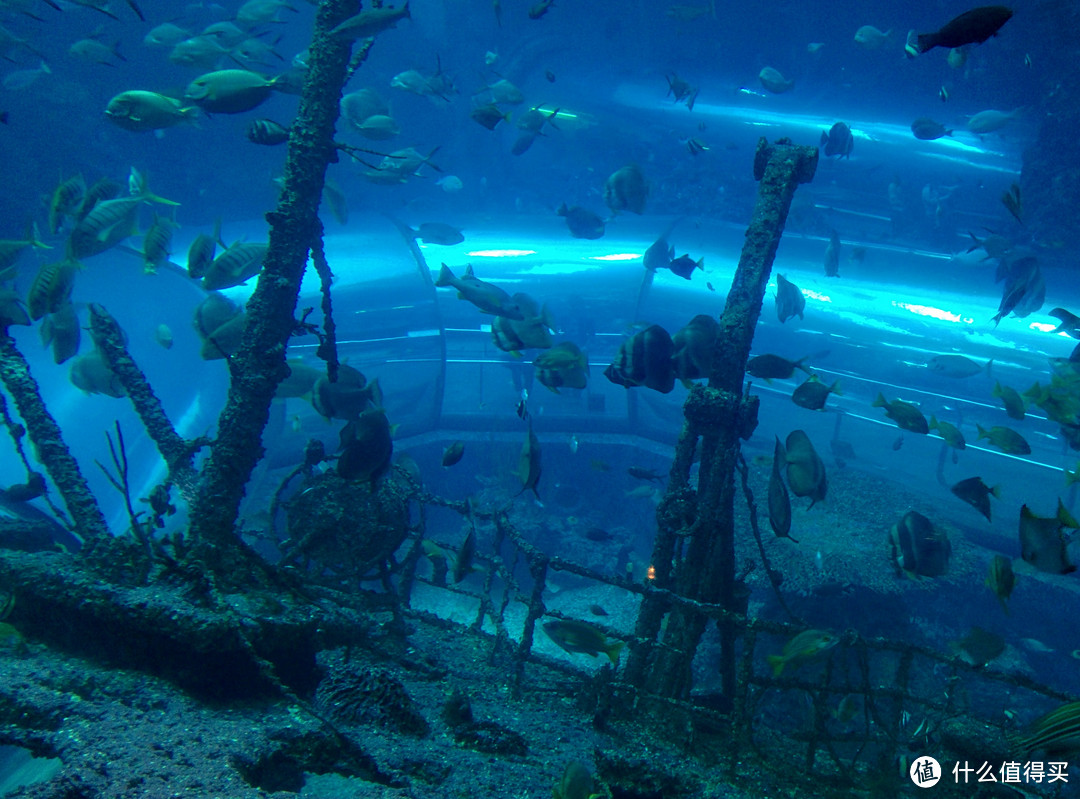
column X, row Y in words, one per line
column 524, row 397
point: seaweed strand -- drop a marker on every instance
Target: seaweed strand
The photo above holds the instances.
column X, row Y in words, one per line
column 48, row 441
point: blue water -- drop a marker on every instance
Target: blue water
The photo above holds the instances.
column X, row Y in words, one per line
column 912, row 296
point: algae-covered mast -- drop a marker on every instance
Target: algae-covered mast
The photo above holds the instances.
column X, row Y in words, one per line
column 259, row 365
column 719, row 415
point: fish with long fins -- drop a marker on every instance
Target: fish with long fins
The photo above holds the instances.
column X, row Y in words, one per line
column 779, row 501
column 644, row 360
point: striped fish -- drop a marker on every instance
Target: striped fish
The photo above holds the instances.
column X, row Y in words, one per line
column 51, row 288
column 1056, row 732
column 240, row 262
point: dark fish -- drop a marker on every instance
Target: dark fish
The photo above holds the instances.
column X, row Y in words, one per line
column 812, row 393
column 896, row 445
column 626, row 190
column 1042, row 543
column 91, row 373
column 267, row 132
column 805, row 470
column 696, row 147
column 370, row 22
column 660, row 253
column 229, row 91
column 693, row 348
column 12, row 310
column 802, row 648
column 439, row 233
column 347, row 398
column 1025, row 289
column 1006, row 439
column 523, row 142
column 789, row 300
column 583, row 224
column 549, row 75
column 1011, row 399
column 489, row 115
column 640, row 473
column 240, row 262
column 463, row 563
column 51, row 288
column 60, row 329
column 532, row 332
column 906, row 415
column 1001, row 579
column 918, row 549
column 977, row 494
column 564, row 365
column 951, row 433
column 539, row 9
column 366, row 447
column 529, row 464
column 779, row 501
column 832, row 256
column 684, row 266
column 927, row 129
column 33, row 488
column 838, row 141
column 971, row 27
column 596, row 610
column 773, row 367
column 225, row 339
column 582, row 638
column 979, row 647
column 453, row 453
column 201, row 254
column 598, row 534
column 1069, row 322
column 1012, row 202
column 644, row 360
column 681, row 90
column 485, row 296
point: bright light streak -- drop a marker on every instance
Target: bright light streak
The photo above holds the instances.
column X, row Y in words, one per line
column 927, row 310
column 617, row 256
column 1042, row 327
column 815, row 296
column 499, row 253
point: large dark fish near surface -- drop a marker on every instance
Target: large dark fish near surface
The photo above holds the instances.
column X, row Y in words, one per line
column 971, row 27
